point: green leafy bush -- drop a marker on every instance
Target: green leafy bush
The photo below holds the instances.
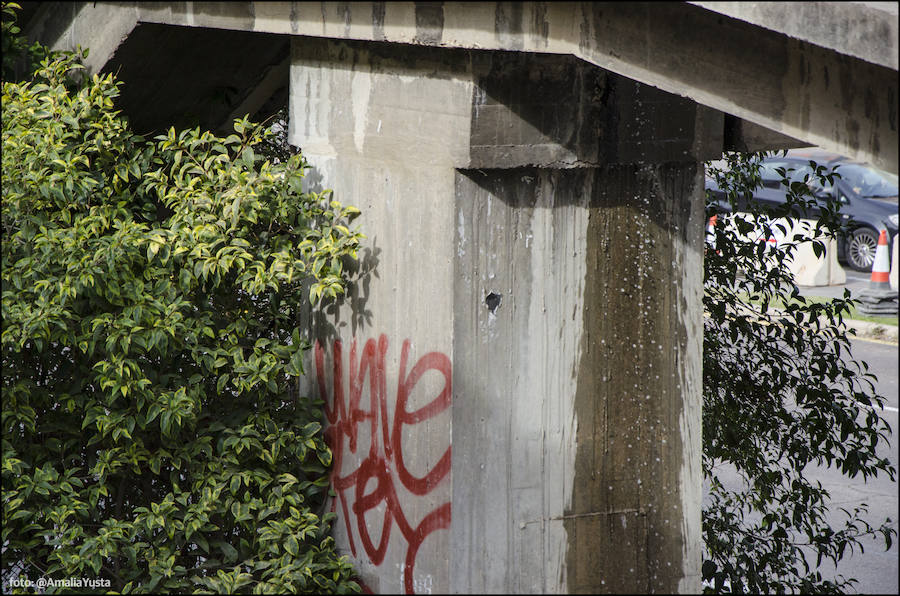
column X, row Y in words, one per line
column 781, row 391
column 152, row 431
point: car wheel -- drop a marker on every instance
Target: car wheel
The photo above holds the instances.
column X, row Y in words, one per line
column 861, row 249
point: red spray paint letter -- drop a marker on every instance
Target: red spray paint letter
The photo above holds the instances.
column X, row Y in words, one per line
column 371, row 482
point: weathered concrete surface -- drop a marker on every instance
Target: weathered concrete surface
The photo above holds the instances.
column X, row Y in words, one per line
column 742, row 135
column 866, row 30
column 820, row 93
column 521, row 237
column 99, row 27
column 643, row 364
column 495, row 221
column 558, row 112
column 384, row 132
column 564, row 276
column 787, row 85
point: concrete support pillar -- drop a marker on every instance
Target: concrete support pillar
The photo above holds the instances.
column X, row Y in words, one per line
column 384, row 135
column 578, row 384
column 513, row 384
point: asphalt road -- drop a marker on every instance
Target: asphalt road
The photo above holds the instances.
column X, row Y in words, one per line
column 875, row 568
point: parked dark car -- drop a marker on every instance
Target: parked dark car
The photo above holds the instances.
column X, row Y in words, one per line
column 868, row 198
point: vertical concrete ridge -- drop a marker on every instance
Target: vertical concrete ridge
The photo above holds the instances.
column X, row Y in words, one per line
column 383, row 126
column 689, row 256
column 559, row 231
column 520, row 270
column 360, row 96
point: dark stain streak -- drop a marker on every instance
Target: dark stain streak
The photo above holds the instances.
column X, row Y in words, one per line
column 847, row 90
column 802, row 70
column 429, row 23
column 541, row 26
column 809, row 69
column 508, row 19
column 892, row 109
column 378, row 21
column 870, row 106
column 584, row 29
column 344, row 10
column 853, row 134
column 617, row 426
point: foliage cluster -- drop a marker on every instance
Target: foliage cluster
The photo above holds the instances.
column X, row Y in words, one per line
column 19, row 57
column 781, row 395
column 152, row 433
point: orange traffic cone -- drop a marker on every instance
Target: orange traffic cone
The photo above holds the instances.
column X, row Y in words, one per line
column 879, row 298
column 881, row 267
column 711, row 231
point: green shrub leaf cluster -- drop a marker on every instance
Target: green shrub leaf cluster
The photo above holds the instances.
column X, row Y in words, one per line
column 153, row 434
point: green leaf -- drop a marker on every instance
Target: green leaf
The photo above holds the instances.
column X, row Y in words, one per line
column 248, row 156
column 291, row 546
column 201, row 542
column 229, row 552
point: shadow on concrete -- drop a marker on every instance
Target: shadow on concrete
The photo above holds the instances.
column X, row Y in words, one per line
column 347, row 315
column 325, row 323
column 652, row 191
column 186, row 76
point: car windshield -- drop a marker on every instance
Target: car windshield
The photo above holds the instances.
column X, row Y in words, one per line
column 867, row 181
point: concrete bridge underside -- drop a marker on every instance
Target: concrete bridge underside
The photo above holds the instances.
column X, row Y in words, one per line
column 824, row 73
column 528, row 304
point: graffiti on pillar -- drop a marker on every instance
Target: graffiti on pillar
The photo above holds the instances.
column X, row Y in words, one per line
column 371, row 483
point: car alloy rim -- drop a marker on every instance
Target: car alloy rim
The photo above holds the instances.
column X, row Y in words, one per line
column 862, row 250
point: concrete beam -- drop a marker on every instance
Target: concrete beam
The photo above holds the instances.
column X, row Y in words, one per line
column 741, row 135
column 822, row 94
column 768, row 74
column 190, row 76
column 99, row 27
column 555, row 111
column 790, row 86
column 865, row 30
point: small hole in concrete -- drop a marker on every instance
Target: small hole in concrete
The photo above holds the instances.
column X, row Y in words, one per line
column 493, row 301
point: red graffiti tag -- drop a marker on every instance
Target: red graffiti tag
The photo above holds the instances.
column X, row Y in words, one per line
column 385, row 457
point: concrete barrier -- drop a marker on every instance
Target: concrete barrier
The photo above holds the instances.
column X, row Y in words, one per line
column 808, row 269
